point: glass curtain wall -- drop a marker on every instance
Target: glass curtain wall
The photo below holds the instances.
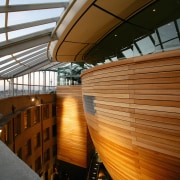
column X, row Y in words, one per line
column 41, row 82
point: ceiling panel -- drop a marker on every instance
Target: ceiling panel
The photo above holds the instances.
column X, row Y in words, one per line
column 92, row 26
column 123, row 8
column 65, row 58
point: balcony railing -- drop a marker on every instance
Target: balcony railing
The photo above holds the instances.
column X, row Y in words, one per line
column 19, row 91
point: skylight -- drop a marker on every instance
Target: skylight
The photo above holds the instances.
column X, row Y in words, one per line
column 25, row 30
column 33, row 15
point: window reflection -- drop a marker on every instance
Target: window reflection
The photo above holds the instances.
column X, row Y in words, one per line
column 167, row 32
column 164, row 38
column 146, row 45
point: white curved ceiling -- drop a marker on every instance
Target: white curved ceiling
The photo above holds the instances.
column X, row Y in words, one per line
column 86, row 22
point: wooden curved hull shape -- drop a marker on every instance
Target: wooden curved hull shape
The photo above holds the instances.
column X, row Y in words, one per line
column 132, row 109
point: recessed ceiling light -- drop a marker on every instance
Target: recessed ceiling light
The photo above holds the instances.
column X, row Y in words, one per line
column 154, row 10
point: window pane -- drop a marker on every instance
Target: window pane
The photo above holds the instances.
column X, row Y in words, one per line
column 26, row 31
column 128, row 53
column 2, row 17
column 1, row 85
column 26, row 79
column 35, row 15
column 47, row 78
column 167, row 32
column 41, row 78
column 20, row 80
column 2, row 37
column 172, row 44
column 146, row 45
column 2, row 93
column 36, row 74
column 135, row 51
column 3, row 2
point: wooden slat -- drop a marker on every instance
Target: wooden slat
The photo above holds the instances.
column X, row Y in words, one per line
column 136, row 124
column 72, row 139
column 157, row 113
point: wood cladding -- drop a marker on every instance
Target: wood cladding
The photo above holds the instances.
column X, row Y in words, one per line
column 72, row 135
column 136, row 125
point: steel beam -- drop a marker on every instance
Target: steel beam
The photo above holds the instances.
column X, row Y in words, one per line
column 23, row 53
column 25, row 42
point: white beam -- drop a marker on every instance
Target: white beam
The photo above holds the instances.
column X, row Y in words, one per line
column 25, row 42
column 23, row 60
column 28, row 25
column 28, row 7
column 22, row 66
column 23, row 53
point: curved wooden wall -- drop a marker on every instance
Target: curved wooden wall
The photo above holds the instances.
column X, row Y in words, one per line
column 73, row 143
column 132, row 108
